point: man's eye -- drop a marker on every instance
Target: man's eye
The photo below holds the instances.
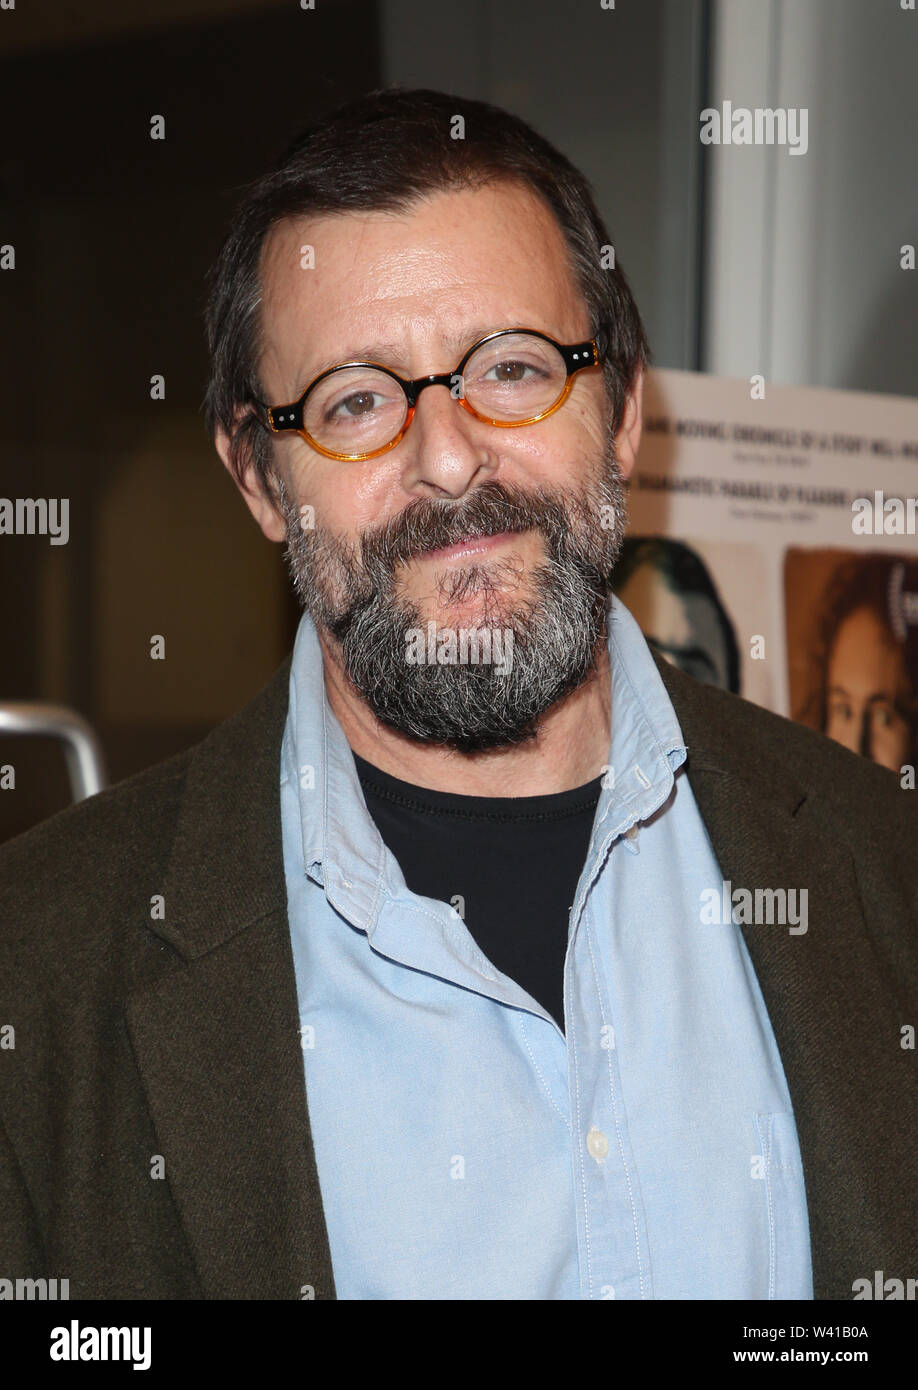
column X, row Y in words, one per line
column 511, row 370
column 360, row 403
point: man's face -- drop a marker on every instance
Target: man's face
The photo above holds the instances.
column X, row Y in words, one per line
column 685, row 628
column 868, row 691
column 378, row 559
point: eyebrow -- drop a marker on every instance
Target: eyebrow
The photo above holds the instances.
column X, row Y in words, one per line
column 395, row 355
column 872, row 698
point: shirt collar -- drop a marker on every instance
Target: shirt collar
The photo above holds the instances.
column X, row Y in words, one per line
column 645, row 741
column 341, row 846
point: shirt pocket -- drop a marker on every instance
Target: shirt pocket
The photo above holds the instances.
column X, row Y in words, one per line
column 790, row 1273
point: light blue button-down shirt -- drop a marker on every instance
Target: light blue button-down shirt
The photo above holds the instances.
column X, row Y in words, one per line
column 466, row 1147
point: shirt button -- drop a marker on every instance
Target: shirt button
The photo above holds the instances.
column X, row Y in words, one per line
column 597, row 1144
column 631, row 840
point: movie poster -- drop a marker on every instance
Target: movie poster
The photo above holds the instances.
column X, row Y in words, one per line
column 772, row 550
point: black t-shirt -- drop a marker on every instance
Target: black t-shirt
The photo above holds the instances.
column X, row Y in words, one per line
column 514, row 861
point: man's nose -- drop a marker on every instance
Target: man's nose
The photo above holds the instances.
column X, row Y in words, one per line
column 446, row 448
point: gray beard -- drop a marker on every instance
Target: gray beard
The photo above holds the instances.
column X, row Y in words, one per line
column 553, row 619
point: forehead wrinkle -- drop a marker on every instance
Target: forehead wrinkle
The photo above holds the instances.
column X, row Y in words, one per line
column 350, row 260
column 395, row 355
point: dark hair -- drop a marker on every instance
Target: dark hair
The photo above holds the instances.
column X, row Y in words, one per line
column 874, row 582
column 685, row 573
column 382, row 152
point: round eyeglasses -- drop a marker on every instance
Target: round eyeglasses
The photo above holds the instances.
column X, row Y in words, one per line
column 358, row 410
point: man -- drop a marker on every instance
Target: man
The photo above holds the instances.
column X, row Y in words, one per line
column 866, row 695
column 667, row 587
column 410, row 980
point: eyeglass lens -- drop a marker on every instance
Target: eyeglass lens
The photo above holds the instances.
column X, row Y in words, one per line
column 355, row 410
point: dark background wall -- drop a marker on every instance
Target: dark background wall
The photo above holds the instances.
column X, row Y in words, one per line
column 113, row 234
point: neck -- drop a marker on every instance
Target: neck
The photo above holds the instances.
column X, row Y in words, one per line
column 571, row 746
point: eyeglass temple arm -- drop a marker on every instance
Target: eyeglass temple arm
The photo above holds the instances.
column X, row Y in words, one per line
column 603, row 338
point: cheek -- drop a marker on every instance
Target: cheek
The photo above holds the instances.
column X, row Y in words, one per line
column 838, row 721
column 575, row 443
column 344, row 503
column 553, row 453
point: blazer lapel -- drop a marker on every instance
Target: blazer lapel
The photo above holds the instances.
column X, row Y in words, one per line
column 828, row 1000
column 217, row 1044
column 217, row 1040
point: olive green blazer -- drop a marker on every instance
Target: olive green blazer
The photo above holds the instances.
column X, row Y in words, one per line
column 154, row 1134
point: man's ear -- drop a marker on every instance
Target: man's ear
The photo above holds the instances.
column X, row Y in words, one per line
column 628, row 437
column 259, row 500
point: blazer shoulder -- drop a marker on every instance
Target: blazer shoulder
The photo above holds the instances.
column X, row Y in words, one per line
column 67, row 882
column 762, row 747
column 99, row 824
column 93, row 861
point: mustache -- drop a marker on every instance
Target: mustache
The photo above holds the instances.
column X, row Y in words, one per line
column 428, row 524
